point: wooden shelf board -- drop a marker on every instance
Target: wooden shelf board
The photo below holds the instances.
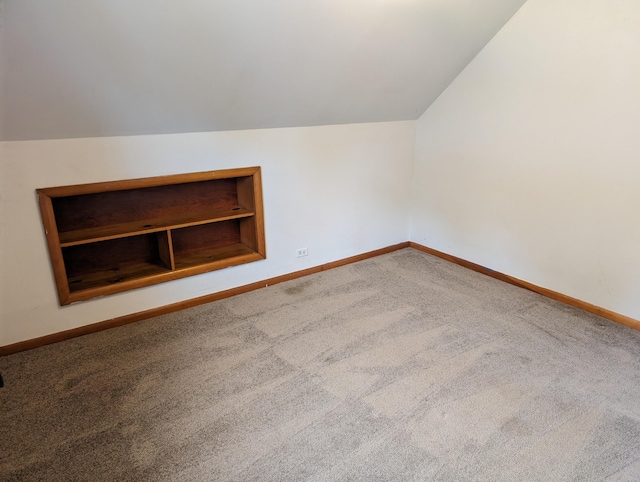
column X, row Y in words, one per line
column 212, row 255
column 103, row 233
column 114, row 276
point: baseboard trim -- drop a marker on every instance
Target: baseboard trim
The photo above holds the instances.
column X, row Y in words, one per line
column 181, row 305
column 554, row 295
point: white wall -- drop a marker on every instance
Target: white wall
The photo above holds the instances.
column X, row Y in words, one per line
column 529, row 163
column 338, row 190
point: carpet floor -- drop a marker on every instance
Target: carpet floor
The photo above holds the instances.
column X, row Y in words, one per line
column 401, row 367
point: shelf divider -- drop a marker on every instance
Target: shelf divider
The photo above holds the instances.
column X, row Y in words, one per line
column 165, row 249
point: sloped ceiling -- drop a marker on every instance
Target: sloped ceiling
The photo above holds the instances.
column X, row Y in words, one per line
column 90, row 68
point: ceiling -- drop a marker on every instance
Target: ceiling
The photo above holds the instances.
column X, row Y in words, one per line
column 72, row 68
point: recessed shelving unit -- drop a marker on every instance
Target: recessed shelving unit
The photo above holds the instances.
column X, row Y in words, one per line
column 109, row 237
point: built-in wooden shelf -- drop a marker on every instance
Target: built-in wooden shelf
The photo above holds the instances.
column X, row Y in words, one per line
column 110, row 237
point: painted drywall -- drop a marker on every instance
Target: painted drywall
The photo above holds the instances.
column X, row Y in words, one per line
column 529, row 162
column 122, row 67
column 336, row 190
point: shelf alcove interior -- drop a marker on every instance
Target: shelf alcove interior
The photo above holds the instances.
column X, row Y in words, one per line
column 109, row 237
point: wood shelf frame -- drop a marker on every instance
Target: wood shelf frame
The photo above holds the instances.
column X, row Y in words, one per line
column 104, row 238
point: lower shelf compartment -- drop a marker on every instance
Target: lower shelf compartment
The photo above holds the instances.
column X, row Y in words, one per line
column 115, row 265
column 200, row 261
column 112, row 262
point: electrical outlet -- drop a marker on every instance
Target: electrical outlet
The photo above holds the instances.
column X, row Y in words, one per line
column 301, row 252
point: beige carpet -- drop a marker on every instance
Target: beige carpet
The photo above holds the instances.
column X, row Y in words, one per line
column 402, row 367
